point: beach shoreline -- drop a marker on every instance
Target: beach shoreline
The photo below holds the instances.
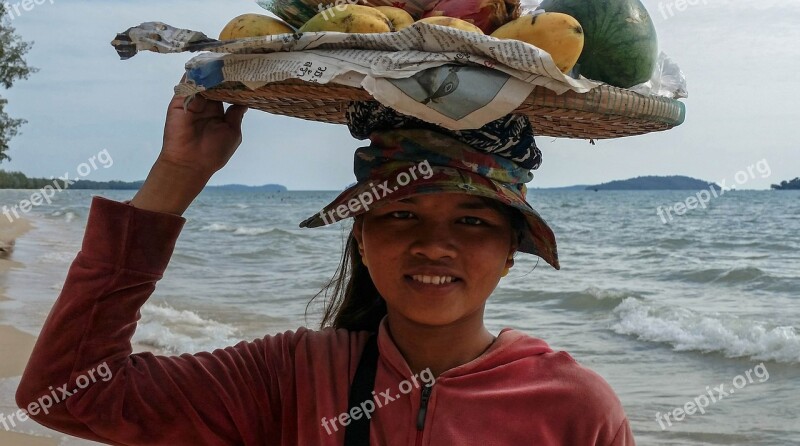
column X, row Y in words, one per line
column 16, row 346
column 15, row 349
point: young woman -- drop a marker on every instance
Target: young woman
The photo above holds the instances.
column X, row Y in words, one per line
column 405, row 358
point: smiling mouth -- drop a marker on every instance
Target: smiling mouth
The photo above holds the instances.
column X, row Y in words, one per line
column 434, row 280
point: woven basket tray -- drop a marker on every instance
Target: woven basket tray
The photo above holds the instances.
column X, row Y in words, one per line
column 605, row 112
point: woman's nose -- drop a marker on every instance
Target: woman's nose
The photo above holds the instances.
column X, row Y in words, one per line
column 433, row 241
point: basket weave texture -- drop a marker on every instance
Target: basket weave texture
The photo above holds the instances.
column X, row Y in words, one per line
column 603, row 113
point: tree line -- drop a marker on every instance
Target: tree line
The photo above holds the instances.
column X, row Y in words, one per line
column 788, row 185
column 18, row 180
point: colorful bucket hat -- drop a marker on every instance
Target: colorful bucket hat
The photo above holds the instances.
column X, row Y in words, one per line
column 404, row 162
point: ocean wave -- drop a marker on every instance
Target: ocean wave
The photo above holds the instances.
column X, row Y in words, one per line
column 594, row 299
column 68, row 216
column 218, row 227
column 188, row 259
column 725, row 276
column 686, row 330
column 590, row 299
column 739, row 275
column 245, row 231
column 254, row 231
column 181, row 331
column 672, row 243
column 259, row 254
column 58, row 257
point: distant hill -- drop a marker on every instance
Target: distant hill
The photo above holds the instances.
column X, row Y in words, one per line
column 655, row 183
column 243, row 188
column 788, row 185
column 579, row 187
column 99, row 185
column 18, row 180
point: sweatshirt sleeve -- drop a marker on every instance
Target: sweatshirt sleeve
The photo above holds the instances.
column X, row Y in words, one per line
column 83, row 380
column 624, row 436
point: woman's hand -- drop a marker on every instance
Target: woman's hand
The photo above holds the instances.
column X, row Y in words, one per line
column 204, row 137
column 198, row 142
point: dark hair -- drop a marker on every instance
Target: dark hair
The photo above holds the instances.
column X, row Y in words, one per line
column 356, row 304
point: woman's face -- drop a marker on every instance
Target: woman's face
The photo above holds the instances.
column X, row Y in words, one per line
column 422, row 238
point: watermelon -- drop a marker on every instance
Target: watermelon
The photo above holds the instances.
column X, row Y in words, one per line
column 621, row 46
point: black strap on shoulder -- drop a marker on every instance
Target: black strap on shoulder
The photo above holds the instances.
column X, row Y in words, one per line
column 357, row 432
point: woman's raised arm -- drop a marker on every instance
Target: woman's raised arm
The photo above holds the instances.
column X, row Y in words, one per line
column 82, row 379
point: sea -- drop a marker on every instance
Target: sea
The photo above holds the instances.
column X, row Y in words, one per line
column 702, row 310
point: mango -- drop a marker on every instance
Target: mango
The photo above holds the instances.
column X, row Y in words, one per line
column 452, row 22
column 254, row 25
column 349, row 19
column 558, row 34
column 399, row 17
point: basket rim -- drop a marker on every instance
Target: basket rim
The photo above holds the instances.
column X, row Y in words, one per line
column 604, row 112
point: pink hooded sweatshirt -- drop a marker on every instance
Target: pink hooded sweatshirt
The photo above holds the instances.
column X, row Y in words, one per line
column 287, row 389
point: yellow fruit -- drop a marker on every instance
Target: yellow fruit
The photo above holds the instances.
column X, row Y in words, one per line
column 558, row 34
column 452, row 22
column 349, row 19
column 254, row 25
column 399, row 17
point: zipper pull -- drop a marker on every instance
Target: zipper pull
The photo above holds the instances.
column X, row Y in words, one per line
column 423, row 407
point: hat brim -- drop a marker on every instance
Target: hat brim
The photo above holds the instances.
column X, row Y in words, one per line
column 365, row 196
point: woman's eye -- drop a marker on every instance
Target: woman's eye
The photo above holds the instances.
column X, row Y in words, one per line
column 401, row 214
column 473, row 221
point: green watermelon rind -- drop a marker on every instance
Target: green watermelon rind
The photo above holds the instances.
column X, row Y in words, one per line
column 603, row 58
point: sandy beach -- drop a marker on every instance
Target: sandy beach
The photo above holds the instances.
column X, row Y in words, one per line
column 15, row 345
column 15, row 348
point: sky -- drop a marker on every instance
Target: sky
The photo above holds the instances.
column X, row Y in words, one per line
column 741, row 59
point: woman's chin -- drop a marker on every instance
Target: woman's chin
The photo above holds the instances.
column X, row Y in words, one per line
column 430, row 315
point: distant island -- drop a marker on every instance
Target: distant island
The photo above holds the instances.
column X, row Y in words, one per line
column 675, row 182
column 565, row 188
column 243, row 188
column 788, row 185
column 18, row 180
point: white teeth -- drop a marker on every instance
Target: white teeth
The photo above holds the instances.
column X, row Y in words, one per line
column 436, row 280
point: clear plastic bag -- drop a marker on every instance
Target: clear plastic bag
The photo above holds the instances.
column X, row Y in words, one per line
column 668, row 80
column 530, row 7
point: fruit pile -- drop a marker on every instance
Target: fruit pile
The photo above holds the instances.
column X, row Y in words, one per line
column 612, row 41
